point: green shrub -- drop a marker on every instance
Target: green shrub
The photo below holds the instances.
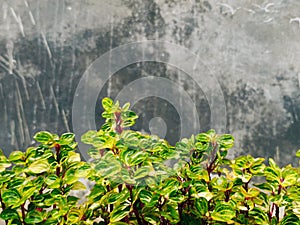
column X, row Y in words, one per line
column 142, row 179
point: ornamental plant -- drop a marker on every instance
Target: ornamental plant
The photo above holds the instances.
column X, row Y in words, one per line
column 141, row 179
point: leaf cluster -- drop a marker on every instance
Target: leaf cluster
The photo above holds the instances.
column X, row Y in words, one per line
column 142, row 179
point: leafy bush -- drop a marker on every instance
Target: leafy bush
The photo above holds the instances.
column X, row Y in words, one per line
column 142, row 179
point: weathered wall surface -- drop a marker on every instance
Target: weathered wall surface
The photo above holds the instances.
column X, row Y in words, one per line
column 251, row 48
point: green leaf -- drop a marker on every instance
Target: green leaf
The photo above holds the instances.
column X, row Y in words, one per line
column 223, row 212
column 43, row 137
column 290, row 220
column 119, row 213
column 154, row 199
column 203, row 137
column 107, row 103
column 83, row 170
column 174, row 196
column 126, row 177
column 152, row 217
column 129, row 115
column 293, row 193
column 171, row 213
column 290, row 177
column 259, row 215
column 74, row 216
column 108, row 168
column 89, row 136
column 169, row 186
column 11, row 197
column 67, row 138
column 118, row 197
column 39, row 166
column 34, row 216
column 118, row 223
column 201, row 191
column 73, row 157
column 145, row 196
column 4, row 163
column 137, row 158
column 96, row 191
column 16, row 155
column 16, row 182
column 197, row 172
column 126, row 106
column 9, row 214
column 128, row 123
column 258, row 166
column 143, row 172
column 95, row 153
column 52, row 181
column 70, row 177
column 78, row 186
column 264, row 186
column 226, row 141
column 201, row 205
column 298, row 153
column 27, row 192
column 51, row 221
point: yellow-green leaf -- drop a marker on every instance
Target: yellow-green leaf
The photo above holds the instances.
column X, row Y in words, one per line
column 39, row 166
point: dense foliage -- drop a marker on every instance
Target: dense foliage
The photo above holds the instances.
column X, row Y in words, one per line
column 142, row 179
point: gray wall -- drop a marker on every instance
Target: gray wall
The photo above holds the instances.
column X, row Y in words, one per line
column 250, row 48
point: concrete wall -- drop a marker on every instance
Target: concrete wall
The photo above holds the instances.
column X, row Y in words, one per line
column 249, row 50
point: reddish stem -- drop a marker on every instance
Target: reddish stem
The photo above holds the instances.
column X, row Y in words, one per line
column 119, row 128
column 57, row 149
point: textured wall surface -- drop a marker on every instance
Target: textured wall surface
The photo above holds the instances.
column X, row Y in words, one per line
column 251, row 49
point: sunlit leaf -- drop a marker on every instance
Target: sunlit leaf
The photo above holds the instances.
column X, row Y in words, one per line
column 107, row 103
column 223, row 212
column 16, row 155
column 119, row 213
column 39, row 166
column 43, row 137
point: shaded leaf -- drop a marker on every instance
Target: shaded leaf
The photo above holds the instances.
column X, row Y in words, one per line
column 9, row 214
column 34, row 216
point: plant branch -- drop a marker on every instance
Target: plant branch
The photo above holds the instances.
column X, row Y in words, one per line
column 57, row 149
column 2, row 203
column 212, row 159
column 23, row 213
column 135, row 210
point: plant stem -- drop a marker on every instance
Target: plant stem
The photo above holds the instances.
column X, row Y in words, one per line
column 212, row 159
column 271, row 211
column 118, row 119
column 57, row 149
column 276, row 206
column 246, row 185
column 2, row 203
column 23, row 213
column 180, row 210
column 120, row 188
column 135, row 210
